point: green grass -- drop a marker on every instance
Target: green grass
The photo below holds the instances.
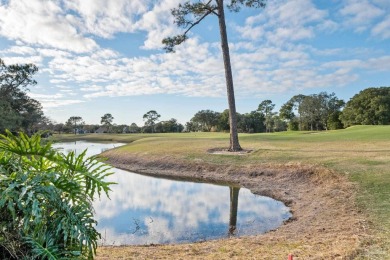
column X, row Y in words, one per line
column 360, row 152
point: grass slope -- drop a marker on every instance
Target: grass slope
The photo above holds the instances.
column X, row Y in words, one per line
column 360, row 152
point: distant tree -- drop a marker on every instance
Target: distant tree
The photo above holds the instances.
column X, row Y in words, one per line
column 44, row 124
column 133, row 128
column 317, row 111
column 17, row 110
column 170, row 126
column 91, row 128
column 75, row 122
column 334, row 121
column 106, row 121
column 310, row 112
column 59, row 128
column 223, row 121
column 330, row 107
column 286, row 113
column 190, row 14
column 266, row 108
column 150, row 119
column 370, row 106
column 119, row 129
column 206, row 118
column 193, row 127
column 253, row 122
column 297, row 101
column 278, row 124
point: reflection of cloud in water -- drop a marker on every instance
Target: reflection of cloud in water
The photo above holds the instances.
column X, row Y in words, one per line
column 168, row 211
column 79, row 146
column 145, row 210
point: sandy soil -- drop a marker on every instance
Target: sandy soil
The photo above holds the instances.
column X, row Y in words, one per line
column 325, row 222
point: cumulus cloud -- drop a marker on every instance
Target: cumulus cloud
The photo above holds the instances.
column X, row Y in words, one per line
column 43, row 23
column 273, row 54
column 53, row 100
column 360, row 14
column 285, row 21
column 158, row 23
column 366, row 15
column 105, row 18
column 382, row 29
column 8, row 60
column 21, row 50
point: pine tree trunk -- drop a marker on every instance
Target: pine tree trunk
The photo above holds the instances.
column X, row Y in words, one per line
column 234, row 143
column 233, row 209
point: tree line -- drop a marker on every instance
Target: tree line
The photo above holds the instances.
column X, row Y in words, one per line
column 19, row 112
column 76, row 125
column 322, row 111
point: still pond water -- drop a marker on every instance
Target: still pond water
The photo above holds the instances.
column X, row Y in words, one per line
column 147, row 210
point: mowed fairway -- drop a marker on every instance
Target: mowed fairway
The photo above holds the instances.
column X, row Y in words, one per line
column 362, row 153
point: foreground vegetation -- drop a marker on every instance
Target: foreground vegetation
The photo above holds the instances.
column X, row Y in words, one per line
column 361, row 152
column 46, row 200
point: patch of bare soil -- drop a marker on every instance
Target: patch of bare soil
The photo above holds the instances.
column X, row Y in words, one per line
column 227, row 152
column 325, row 222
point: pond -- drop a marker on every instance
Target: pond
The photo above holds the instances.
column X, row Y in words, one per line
column 148, row 210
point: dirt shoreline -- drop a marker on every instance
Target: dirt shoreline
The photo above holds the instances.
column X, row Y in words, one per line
column 325, row 224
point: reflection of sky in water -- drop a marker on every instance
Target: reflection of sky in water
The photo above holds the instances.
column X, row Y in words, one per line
column 144, row 210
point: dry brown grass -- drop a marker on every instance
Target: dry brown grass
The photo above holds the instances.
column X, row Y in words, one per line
column 337, row 184
column 326, row 224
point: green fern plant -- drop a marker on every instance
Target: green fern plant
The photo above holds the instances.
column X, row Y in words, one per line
column 46, row 200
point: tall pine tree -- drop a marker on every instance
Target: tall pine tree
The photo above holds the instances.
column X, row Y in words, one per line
column 190, row 14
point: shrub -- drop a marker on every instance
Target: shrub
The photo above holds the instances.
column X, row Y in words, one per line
column 46, row 200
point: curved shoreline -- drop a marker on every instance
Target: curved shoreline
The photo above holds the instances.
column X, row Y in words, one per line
column 325, row 222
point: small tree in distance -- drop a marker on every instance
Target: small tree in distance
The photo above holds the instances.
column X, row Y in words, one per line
column 266, row 108
column 151, row 118
column 190, row 14
column 107, row 121
column 75, row 121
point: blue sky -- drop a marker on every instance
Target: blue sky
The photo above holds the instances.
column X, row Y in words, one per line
column 98, row 56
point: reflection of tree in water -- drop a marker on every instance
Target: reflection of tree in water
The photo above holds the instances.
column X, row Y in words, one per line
column 233, row 209
column 199, row 236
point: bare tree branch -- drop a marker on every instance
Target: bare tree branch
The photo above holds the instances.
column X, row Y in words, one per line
column 199, row 10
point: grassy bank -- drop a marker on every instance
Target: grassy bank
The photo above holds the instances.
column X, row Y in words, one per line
column 361, row 152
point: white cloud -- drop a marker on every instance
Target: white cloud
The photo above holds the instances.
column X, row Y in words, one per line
column 45, row 96
column 373, row 64
column 58, row 103
column 43, row 23
column 53, row 52
column 285, row 21
column 105, row 18
column 367, row 15
column 54, row 100
column 22, row 60
column 185, row 211
column 379, row 64
column 351, row 64
column 158, row 23
column 360, row 14
column 382, row 29
column 91, row 88
column 271, row 58
column 21, row 50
